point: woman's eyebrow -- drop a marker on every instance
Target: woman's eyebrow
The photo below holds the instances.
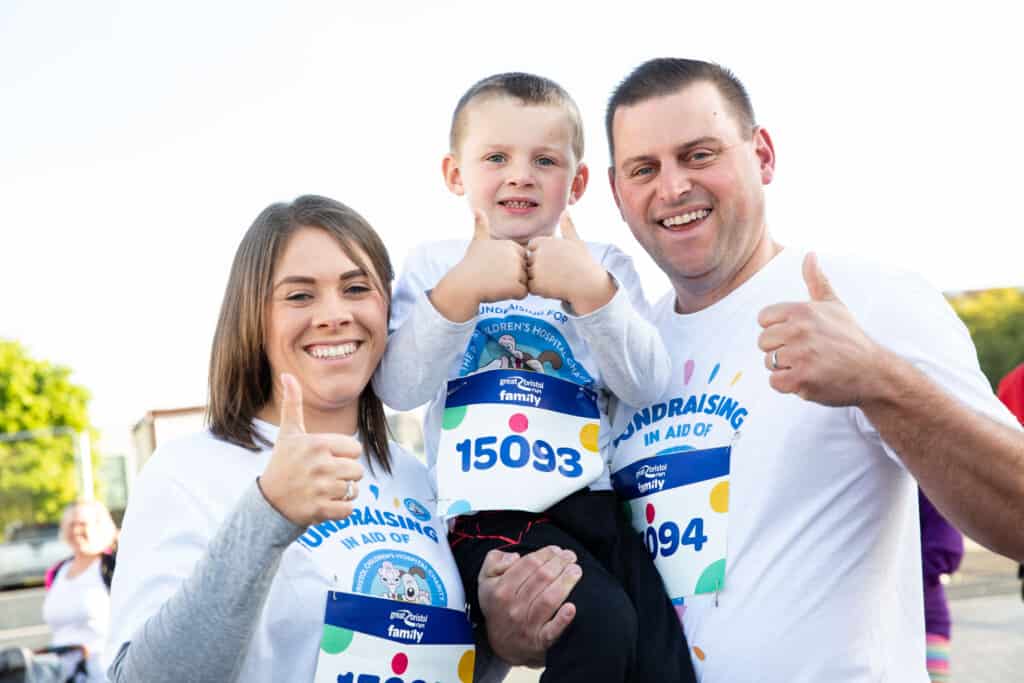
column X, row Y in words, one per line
column 307, row 280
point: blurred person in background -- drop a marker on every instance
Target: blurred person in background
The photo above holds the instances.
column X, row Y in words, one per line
column 76, row 607
column 942, row 548
column 77, row 604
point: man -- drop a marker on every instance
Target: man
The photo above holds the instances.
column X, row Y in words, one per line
column 826, row 408
column 819, row 399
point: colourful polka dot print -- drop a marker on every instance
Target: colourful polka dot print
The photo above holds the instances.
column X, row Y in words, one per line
column 466, row 664
column 712, row 578
column 720, row 497
column 518, row 423
column 335, row 640
column 453, row 417
column 588, row 436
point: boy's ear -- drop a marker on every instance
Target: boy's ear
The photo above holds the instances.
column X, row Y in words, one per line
column 452, row 176
column 579, row 183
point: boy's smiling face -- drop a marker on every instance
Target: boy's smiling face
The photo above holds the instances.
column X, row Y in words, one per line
column 515, row 163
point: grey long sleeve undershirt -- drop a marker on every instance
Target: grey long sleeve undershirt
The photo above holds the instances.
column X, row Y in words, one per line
column 202, row 632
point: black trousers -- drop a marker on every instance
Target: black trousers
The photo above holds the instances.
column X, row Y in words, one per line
column 625, row 628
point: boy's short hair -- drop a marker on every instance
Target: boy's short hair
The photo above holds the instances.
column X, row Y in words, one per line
column 529, row 90
column 667, row 76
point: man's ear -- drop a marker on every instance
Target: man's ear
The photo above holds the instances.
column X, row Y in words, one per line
column 615, row 195
column 765, row 151
column 452, row 175
column 579, row 183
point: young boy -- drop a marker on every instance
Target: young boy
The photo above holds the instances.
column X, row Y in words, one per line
column 557, row 320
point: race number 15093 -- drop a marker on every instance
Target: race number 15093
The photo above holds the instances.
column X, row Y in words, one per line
column 515, row 452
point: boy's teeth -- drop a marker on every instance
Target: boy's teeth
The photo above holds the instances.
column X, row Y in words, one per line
column 333, row 351
column 518, row 205
column 685, row 218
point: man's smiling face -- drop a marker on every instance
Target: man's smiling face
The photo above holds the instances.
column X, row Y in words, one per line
column 688, row 180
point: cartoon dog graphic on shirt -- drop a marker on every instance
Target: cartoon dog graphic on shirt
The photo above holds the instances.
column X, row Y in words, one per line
column 515, row 358
column 411, row 590
column 392, row 577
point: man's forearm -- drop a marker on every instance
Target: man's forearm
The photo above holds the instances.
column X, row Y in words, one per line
column 969, row 465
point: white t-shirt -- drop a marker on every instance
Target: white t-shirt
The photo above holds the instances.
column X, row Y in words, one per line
column 393, row 545
column 823, row 570
column 77, row 610
column 425, row 350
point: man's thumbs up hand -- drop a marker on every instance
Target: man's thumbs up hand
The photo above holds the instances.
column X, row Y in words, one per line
column 816, row 349
column 818, row 286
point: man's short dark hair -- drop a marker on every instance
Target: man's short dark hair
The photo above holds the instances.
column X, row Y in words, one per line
column 529, row 90
column 667, row 76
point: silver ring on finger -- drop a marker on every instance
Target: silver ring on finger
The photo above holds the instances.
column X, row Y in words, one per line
column 349, row 491
column 773, row 360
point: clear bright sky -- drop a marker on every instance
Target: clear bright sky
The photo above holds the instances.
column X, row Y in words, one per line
column 138, row 140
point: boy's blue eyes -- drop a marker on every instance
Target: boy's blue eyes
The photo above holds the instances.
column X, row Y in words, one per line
column 501, row 158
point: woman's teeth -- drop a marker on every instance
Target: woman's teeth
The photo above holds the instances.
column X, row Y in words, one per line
column 339, row 351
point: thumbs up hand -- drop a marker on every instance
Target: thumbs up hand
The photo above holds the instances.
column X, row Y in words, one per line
column 562, row 268
column 310, row 477
column 491, row 270
column 816, row 349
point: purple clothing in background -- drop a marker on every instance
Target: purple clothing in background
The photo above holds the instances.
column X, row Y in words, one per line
column 942, row 548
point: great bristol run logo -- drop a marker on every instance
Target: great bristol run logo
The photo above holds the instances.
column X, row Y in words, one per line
column 651, row 478
column 411, row 625
column 520, row 390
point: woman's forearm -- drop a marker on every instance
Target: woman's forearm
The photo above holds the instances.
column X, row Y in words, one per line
column 202, row 632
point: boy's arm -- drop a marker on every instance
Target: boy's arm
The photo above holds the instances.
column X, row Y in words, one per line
column 634, row 362
column 423, row 344
column 419, row 355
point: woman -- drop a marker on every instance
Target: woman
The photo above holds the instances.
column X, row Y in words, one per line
column 259, row 550
column 77, row 603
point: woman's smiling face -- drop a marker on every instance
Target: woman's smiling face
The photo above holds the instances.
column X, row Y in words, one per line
column 326, row 324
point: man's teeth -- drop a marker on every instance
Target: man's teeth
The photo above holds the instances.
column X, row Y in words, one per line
column 518, row 205
column 685, row 218
column 333, row 351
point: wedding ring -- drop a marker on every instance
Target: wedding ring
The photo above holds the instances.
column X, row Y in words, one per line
column 773, row 360
column 349, row 492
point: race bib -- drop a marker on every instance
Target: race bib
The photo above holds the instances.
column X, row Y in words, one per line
column 374, row 640
column 679, row 502
column 515, row 440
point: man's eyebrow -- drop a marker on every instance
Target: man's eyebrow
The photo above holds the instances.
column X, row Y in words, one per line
column 306, row 280
column 705, row 140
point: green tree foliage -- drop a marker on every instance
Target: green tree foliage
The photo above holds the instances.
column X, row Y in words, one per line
column 37, row 474
column 995, row 318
